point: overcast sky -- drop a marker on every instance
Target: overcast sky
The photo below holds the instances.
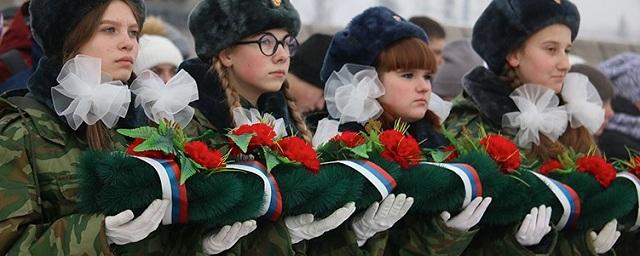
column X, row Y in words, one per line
column 600, row 20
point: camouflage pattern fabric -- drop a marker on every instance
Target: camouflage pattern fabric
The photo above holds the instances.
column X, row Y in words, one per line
column 427, row 235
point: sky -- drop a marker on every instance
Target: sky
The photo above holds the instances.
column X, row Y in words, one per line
column 612, row 20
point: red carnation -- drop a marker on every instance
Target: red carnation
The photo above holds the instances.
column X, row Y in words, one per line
column 453, row 152
column 201, row 154
column 502, row 151
column 549, row 166
column 635, row 166
column 298, row 150
column 349, row 139
column 263, row 136
column 157, row 154
column 402, row 149
column 597, row 166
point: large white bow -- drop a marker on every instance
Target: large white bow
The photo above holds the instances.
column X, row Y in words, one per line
column 539, row 112
column 440, row 107
column 351, row 93
column 85, row 94
column 251, row 116
column 583, row 102
column 166, row 101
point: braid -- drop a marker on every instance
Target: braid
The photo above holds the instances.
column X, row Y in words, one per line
column 511, row 77
column 233, row 98
column 297, row 117
column 98, row 137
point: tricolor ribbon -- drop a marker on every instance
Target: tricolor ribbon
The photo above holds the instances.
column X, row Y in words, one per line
column 469, row 177
column 272, row 207
column 568, row 199
column 636, row 183
column 169, row 174
column 380, row 178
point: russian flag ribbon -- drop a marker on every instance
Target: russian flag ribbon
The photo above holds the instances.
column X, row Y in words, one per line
column 636, row 183
column 169, row 175
column 272, row 207
column 469, row 177
column 380, row 178
column 568, row 199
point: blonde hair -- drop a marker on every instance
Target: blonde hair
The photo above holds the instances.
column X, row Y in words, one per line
column 233, row 98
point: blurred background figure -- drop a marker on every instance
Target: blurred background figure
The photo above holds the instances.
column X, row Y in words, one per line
column 435, row 32
column 623, row 130
column 459, row 58
column 304, row 78
column 159, row 55
column 7, row 14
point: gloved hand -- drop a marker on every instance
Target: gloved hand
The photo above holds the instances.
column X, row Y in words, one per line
column 604, row 241
column 469, row 217
column 380, row 216
column 535, row 226
column 123, row 229
column 227, row 236
column 304, row 227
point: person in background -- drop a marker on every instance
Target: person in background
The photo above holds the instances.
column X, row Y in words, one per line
column 16, row 48
column 159, row 55
column 7, row 15
column 436, row 33
column 459, row 59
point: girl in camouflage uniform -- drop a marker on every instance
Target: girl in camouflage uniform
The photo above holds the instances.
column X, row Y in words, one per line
column 524, row 42
column 43, row 134
column 397, row 50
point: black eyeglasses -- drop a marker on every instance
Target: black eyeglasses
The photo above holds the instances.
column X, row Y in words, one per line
column 268, row 44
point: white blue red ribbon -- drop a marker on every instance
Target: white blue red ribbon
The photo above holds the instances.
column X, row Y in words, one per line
column 568, row 199
column 169, row 174
column 380, row 178
column 636, row 183
column 469, row 177
column 272, row 207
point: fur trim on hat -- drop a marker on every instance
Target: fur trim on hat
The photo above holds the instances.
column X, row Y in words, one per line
column 156, row 50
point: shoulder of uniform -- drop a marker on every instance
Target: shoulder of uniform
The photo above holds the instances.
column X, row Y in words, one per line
column 21, row 114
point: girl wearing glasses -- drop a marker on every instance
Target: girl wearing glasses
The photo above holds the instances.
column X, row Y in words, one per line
column 244, row 48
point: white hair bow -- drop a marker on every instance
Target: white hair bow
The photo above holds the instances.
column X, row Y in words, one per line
column 539, row 112
column 440, row 107
column 251, row 116
column 85, row 94
column 582, row 102
column 166, row 101
column 351, row 93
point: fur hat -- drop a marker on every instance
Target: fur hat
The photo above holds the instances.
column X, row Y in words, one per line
column 624, row 72
column 53, row 20
column 156, row 50
column 217, row 24
column 365, row 37
column 506, row 24
column 307, row 61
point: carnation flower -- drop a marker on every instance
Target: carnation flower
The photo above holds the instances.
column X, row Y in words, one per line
column 349, row 139
column 263, row 136
column 549, row 166
column 298, row 150
column 597, row 166
column 503, row 151
column 157, row 154
column 203, row 155
column 402, row 149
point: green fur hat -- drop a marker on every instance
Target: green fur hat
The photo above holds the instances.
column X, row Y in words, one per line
column 217, row 24
column 53, row 20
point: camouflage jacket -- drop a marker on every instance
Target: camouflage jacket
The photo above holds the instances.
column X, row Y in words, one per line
column 481, row 86
column 39, row 192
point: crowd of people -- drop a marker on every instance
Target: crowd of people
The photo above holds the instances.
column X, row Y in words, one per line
column 71, row 70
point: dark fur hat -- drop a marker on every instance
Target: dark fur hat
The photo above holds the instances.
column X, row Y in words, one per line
column 217, row 24
column 53, row 20
column 506, row 24
column 365, row 37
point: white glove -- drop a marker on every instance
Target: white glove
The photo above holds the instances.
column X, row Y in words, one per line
column 304, row 227
column 469, row 217
column 380, row 216
column 227, row 236
column 535, row 226
column 123, row 229
column 607, row 237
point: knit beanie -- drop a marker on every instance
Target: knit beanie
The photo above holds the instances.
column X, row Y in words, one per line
column 459, row 59
column 506, row 24
column 307, row 61
column 217, row 24
column 624, row 72
column 365, row 37
column 597, row 78
column 156, row 50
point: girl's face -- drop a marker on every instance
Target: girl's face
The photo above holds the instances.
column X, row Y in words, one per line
column 251, row 71
column 407, row 93
column 115, row 41
column 544, row 58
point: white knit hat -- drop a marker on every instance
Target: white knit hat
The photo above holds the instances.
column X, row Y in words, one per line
column 155, row 50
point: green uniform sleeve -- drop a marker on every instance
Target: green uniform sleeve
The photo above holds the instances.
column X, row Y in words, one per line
column 343, row 241
column 577, row 243
column 269, row 239
column 502, row 241
column 427, row 235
